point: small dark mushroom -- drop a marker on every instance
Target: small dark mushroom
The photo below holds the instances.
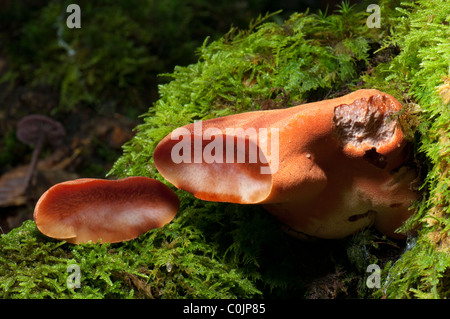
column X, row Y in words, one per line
column 36, row 130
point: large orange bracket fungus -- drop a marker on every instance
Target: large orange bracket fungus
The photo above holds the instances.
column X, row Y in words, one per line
column 88, row 209
column 325, row 169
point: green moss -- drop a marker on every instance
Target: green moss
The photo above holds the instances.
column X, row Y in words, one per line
column 419, row 75
column 165, row 263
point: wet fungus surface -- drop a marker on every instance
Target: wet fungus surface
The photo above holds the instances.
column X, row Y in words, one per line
column 325, row 169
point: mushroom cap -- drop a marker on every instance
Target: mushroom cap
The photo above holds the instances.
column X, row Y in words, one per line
column 332, row 170
column 89, row 209
column 31, row 127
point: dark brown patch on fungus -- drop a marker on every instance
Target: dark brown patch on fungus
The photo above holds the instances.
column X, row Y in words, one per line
column 375, row 158
column 367, row 214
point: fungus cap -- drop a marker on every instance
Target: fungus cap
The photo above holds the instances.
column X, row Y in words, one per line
column 88, row 209
column 33, row 127
column 329, row 166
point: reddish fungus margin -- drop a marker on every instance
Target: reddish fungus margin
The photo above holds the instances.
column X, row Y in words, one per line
column 96, row 210
column 339, row 164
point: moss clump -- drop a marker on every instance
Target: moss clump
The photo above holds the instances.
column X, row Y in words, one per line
column 162, row 264
column 419, row 75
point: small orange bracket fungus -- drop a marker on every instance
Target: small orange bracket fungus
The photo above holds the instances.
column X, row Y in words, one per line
column 88, row 209
column 325, row 169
